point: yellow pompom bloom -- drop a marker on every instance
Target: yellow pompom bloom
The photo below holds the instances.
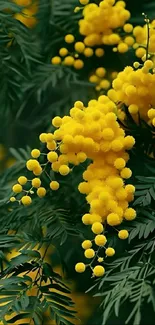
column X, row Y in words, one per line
column 51, row 145
column 12, row 199
column 84, row 2
column 78, row 64
column 26, row 200
column 151, row 113
column 84, row 188
column 133, row 109
column 119, row 163
column 36, row 182
column 49, row 137
column 140, row 52
column 130, row 214
column 136, row 65
column 37, row 171
column 22, row 180
column 98, row 270
column 130, row 189
column 56, row 60
column 100, row 72
column 52, row 156
column 17, row 188
column 123, row 234
column 89, row 253
column 86, row 219
column 54, row 185
column 100, row 240
column 113, row 219
column 122, row 47
column 69, row 60
column 55, row 166
column 97, row 228
column 128, row 28
column 42, row 137
column 41, row 192
column 99, row 52
column 69, row 38
column 108, row 134
column 81, row 157
column 88, row 52
column 110, row 251
column 126, row 173
column 86, row 244
column 63, row 51
column 148, row 64
column 57, row 121
column 78, row 104
column 80, row 267
column 64, row 170
column 32, row 164
column 35, row 153
column 129, row 142
column 79, row 47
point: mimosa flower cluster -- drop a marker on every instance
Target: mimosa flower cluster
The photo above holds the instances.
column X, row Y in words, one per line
column 140, row 34
column 89, row 134
column 134, row 88
column 27, row 15
column 102, row 79
column 99, row 26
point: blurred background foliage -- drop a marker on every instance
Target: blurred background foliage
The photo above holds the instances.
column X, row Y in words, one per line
column 32, row 91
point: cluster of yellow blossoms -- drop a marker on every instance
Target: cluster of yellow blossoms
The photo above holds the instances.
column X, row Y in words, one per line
column 29, row 10
column 141, row 38
column 97, row 30
column 102, row 79
column 88, row 133
column 134, row 88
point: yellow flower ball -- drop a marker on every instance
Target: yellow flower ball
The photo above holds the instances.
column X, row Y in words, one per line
column 100, row 240
column 110, row 251
column 100, row 72
column 69, row 38
column 128, row 28
column 36, row 182
column 51, row 145
column 69, row 60
column 122, row 47
column 22, row 180
column 37, row 171
column 80, row 267
column 151, row 113
column 130, row 189
column 140, row 52
column 81, row 157
column 98, row 270
column 49, row 137
column 79, row 47
column 88, row 52
column 12, row 199
column 78, row 104
column 86, row 219
column 108, row 134
column 56, row 60
column 86, row 244
column 84, row 2
column 129, row 142
column 133, row 109
column 113, row 219
column 119, row 163
column 136, row 65
column 32, row 164
column 54, row 185
column 17, row 188
column 89, row 253
column 99, row 52
column 148, row 64
column 52, row 156
column 97, row 228
column 64, row 170
column 35, row 153
column 84, row 188
column 130, row 214
column 57, row 121
column 26, row 200
column 42, row 137
column 41, row 192
column 126, row 173
column 123, row 234
column 78, row 64
column 63, row 51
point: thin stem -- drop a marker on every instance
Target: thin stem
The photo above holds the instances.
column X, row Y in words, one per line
column 148, row 34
